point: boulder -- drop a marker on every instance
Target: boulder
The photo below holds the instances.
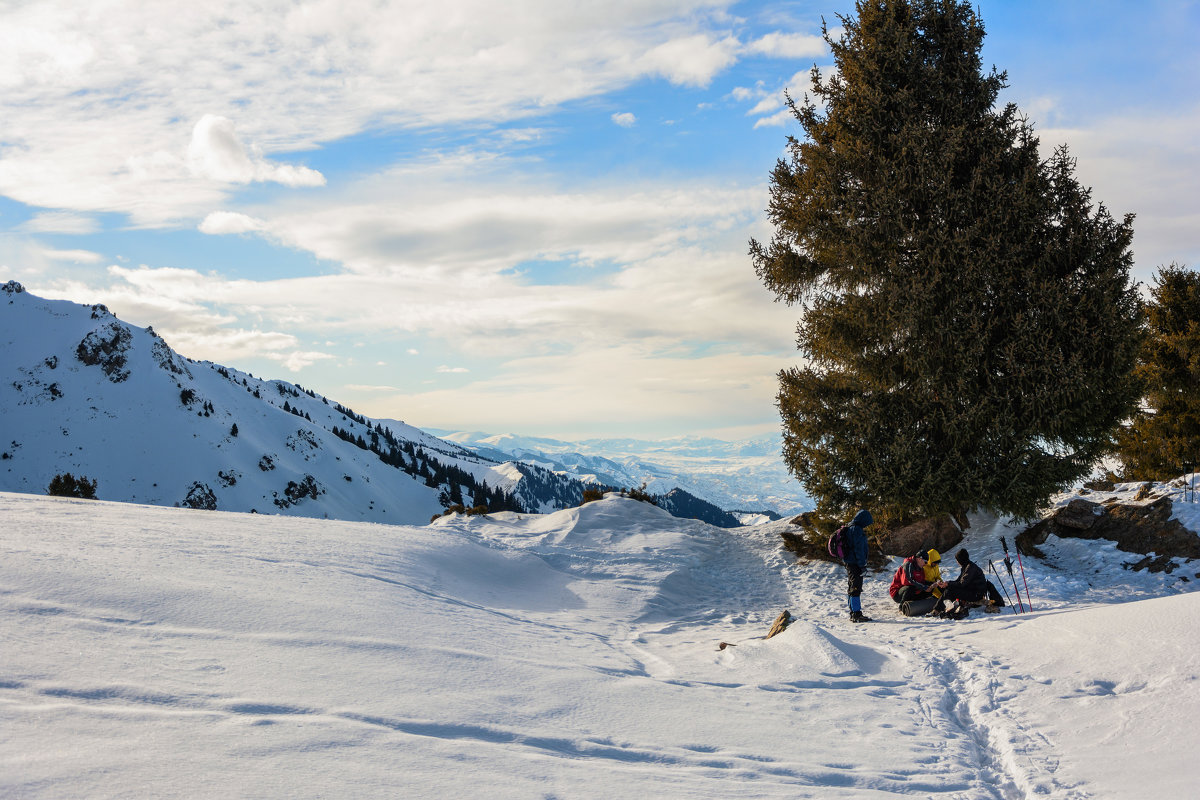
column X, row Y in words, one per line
column 938, row 532
column 1143, row 528
column 1079, row 514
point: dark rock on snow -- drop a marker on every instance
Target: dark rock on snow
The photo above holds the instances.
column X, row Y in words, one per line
column 1146, row 529
column 940, row 533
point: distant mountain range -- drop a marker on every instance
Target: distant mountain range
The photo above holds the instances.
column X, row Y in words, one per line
column 82, row 392
column 746, row 478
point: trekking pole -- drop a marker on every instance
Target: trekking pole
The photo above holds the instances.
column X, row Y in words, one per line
column 1008, row 565
column 1000, row 581
column 1021, row 564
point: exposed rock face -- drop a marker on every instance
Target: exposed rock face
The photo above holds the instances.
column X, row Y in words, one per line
column 167, row 358
column 200, row 496
column 1146, row 529
column 107, row 347
column 938, row 532
column 295, row 492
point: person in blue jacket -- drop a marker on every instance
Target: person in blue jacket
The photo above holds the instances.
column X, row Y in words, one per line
column 856, row 561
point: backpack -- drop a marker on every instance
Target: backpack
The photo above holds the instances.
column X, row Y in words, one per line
column 839, row 544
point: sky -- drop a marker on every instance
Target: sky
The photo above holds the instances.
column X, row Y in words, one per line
column 526, row 217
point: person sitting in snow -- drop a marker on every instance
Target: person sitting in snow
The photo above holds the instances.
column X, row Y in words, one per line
column 971, row 587
column 856, row 561
column 933, row 572
column 909, row 582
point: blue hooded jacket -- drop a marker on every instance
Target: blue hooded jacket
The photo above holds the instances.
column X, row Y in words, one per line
column 857, row 535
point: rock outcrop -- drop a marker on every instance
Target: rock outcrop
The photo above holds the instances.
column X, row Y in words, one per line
column 1147, row 529
column 940, row 533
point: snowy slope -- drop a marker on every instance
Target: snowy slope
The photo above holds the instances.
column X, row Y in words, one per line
column 161, row 652
column 84, row 393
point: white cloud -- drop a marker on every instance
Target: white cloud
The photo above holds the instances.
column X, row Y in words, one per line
column 776, row 120
column 765, row 106
column 76, row 256
column 610, row 386
column 452, row 370
column 1144, row 164
column 625, row 120
column 445, row 220
column 771, row 108
column 295, row 360
column 691, row 60
column 216, row 152
column 365, row 387
column 788, row 45
column 192, row 312
column 60, row 222
column 99, row 104
column 225, row 222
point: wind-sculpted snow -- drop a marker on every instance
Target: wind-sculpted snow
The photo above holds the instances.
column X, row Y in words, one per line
column 153, row 652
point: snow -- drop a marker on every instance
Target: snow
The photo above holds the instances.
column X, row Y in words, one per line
column 159, row 652
column 120, row 417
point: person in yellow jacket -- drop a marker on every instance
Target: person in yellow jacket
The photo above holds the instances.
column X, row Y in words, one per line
column 933, row 573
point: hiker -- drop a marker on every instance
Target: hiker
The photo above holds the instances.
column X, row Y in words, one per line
column 971, row 587
column 909, row 582
column 856, row 561
column 933, row 571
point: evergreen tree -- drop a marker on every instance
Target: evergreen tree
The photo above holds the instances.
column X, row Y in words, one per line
column 67, row 485
column 1166, row 435
column 968, row 323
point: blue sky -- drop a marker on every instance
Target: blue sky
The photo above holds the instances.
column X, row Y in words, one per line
column 528, row 216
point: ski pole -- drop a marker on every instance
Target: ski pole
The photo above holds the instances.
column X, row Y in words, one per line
column 1008, row 565
column 1000, row 581
column 1021, row 564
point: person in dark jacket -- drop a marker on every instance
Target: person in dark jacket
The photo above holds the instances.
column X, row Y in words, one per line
column 971, row 587
column 856, row 561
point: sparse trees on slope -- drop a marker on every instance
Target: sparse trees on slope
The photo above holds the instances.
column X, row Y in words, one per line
column 67, row 485
column 968, row 323
column 1167, row 434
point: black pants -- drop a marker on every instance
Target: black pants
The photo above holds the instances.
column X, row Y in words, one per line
column 954, row 592
column 854, row 578
column 907, row 593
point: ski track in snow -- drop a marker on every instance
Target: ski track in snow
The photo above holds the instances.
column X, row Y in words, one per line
column 564, row 655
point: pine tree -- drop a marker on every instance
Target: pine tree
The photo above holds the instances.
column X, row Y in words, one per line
column 67, row 485
column 1166, row 435
column 968, row 323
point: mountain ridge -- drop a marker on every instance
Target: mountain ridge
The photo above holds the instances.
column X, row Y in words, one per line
column 747, row 475
column 88, row 394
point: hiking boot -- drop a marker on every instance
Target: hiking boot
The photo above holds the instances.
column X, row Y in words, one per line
column 858, row 616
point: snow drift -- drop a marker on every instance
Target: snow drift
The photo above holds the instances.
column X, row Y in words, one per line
column 164, row 652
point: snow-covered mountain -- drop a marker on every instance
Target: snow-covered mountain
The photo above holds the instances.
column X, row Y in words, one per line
column 606, row 651
column 747, row 475
column 84, row 393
